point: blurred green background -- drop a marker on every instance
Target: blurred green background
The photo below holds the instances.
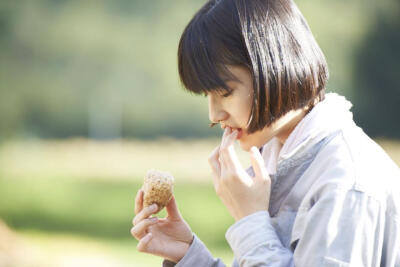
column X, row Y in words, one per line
column 90, row 99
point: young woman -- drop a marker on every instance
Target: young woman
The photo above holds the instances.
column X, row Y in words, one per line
column 320, row 192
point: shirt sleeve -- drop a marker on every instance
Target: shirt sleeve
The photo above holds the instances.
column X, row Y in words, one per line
column 255, row 243
column 197, row 255
column 339, row 230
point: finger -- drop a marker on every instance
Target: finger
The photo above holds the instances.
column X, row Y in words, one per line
column 213, row 160
column 144, row 243
column 172, row 209
column 230, row 139
column 228, row 131
column 139, row 201
column 228, row 154
column 222, row 164
column 145, row 213
column 139, row 230
column 257, row 162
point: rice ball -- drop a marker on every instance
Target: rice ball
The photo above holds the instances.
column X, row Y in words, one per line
column 157, row 188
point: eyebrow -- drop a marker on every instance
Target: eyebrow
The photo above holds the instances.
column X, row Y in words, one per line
column 232, row 80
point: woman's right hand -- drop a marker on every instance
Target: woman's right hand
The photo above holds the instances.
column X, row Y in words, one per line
column 168, row 237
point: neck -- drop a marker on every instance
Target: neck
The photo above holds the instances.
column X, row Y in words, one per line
column 287, row 123
column 281, row 129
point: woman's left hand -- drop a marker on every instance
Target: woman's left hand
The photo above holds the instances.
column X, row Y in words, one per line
column 240, row 193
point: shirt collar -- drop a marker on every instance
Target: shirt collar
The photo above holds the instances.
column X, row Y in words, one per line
column 327, row 116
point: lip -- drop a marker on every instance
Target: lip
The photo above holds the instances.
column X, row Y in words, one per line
column 240, row 133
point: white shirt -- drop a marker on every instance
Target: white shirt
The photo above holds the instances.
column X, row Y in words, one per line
column 335, row 200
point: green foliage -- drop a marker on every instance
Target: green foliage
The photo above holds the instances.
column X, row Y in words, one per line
column 103, row 208
column 64, row 62
column 107, row 69
column 57, row 209
column 378, row 85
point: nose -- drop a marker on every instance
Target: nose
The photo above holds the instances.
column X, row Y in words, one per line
column 216, row 112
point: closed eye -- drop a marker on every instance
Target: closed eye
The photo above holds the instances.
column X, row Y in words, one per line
column 228, row 93
column 205, row 94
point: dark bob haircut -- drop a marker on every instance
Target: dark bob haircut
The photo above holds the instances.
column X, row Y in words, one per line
column 268, row 37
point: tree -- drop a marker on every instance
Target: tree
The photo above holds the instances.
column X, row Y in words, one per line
column 377, row 76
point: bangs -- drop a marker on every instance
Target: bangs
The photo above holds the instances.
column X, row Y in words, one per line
column 269, row 38
column 203, row 54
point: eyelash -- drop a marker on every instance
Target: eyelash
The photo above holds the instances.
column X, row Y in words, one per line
column 227, row 94
column 224, row 95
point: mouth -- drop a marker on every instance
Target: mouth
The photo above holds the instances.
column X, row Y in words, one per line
column 240, row 130
column 240, row 133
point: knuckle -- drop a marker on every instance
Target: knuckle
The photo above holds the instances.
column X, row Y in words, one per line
column 140, row 247
column 149, row 222
column 148, row 211
column 134, row 232
column 229, row 175
column 136, row 220
column 211, row 166
column 224, row 150
column 213, row 153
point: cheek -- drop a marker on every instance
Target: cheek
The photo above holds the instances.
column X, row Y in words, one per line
column 243, row 111
column 247, row 109
column 249, row 140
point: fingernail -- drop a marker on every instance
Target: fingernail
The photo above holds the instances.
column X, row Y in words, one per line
column 153, row 219
column 153, row 207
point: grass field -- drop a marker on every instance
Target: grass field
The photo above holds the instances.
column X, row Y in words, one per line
column 70, row 203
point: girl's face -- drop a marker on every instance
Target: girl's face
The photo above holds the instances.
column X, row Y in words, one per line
column 233, row 110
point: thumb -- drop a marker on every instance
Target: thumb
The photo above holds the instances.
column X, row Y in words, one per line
column 172, row 209
column 257, row 162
